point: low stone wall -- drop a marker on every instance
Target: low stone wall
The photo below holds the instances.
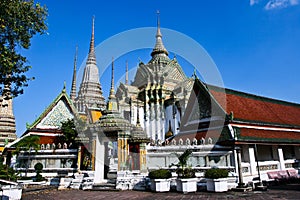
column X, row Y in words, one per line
column 128, row 180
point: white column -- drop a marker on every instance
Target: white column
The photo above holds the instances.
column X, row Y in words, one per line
column 252, row 161
column 281, row 159
column 99, row 161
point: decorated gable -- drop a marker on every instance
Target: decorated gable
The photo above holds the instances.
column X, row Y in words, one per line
column 60, row 113
column 201, row 105
column 60, row 110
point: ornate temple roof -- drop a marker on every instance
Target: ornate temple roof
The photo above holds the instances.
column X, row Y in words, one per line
column 111, row 121
column 159, row 49
column 249, row 118
column 61, row 109
column 160, row 70
column 47, row 125
column 257, row 109
column 113, row 124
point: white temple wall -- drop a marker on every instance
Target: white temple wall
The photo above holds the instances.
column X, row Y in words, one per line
column 270, row 159
column 203, row 156
column 54, row 161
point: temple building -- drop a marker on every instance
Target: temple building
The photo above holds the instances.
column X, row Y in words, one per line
column 55, row 155
column 161, row 113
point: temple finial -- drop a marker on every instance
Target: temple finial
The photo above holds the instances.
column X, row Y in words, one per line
column 92, row 56
column 92, row 45
column 73, row 88
column 158, row 33
column 195, row 74
column 126, row 75
column 159, row 46
column 112, row 105
column 64, row 88
column 112, row 90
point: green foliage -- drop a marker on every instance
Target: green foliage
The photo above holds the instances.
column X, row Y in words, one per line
column 183, row 158
column 28, row 143
column 185, row 172
column 8, row 173
column 20, row 20
column 25, row 178
column 70, row 130
column 160, row 174
column 38, row 169
column 215, row 173
column 39, row 178
column 38, row 166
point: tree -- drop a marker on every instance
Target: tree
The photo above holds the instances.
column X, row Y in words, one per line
column 69, row 130
column 73, row 131
column 20, row 20
column 7, row 173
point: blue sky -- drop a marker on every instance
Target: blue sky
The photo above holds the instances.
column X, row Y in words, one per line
column 254, row 43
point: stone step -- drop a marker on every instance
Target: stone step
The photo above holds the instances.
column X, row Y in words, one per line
column 105, row 187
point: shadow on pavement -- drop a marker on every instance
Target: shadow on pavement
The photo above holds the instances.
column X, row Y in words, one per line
column 294, row 186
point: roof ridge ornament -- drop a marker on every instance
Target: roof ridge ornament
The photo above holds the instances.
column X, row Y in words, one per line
column 195, row 74
column 64, row 88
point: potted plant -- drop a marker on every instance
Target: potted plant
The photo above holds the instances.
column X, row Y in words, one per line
column 160, row 180
column 186, row 180
column 216, row 180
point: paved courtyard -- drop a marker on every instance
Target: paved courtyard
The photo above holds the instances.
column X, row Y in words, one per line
column 276, row 192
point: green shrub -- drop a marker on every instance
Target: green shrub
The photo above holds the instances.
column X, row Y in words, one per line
column 39, row 178
column 38, row 166
column 215, row 173
column 160, row 174
column 38, row 169
column 185, row 172
column 25, row 178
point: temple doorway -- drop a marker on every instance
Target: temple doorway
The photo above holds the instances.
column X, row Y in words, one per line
column 134, row 156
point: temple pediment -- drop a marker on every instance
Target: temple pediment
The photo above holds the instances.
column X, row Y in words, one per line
column 60, row 110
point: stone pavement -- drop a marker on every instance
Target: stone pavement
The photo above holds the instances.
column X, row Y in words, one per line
column 276, row 192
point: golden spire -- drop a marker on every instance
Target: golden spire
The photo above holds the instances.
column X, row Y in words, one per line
column 112, row 101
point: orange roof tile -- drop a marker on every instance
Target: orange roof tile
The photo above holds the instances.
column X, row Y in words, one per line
column 248, row 107
column 269, row 135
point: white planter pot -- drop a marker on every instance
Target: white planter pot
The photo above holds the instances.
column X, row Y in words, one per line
column 217, row 185
column 11, row 192
column 160, row 185
column 186, row 185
